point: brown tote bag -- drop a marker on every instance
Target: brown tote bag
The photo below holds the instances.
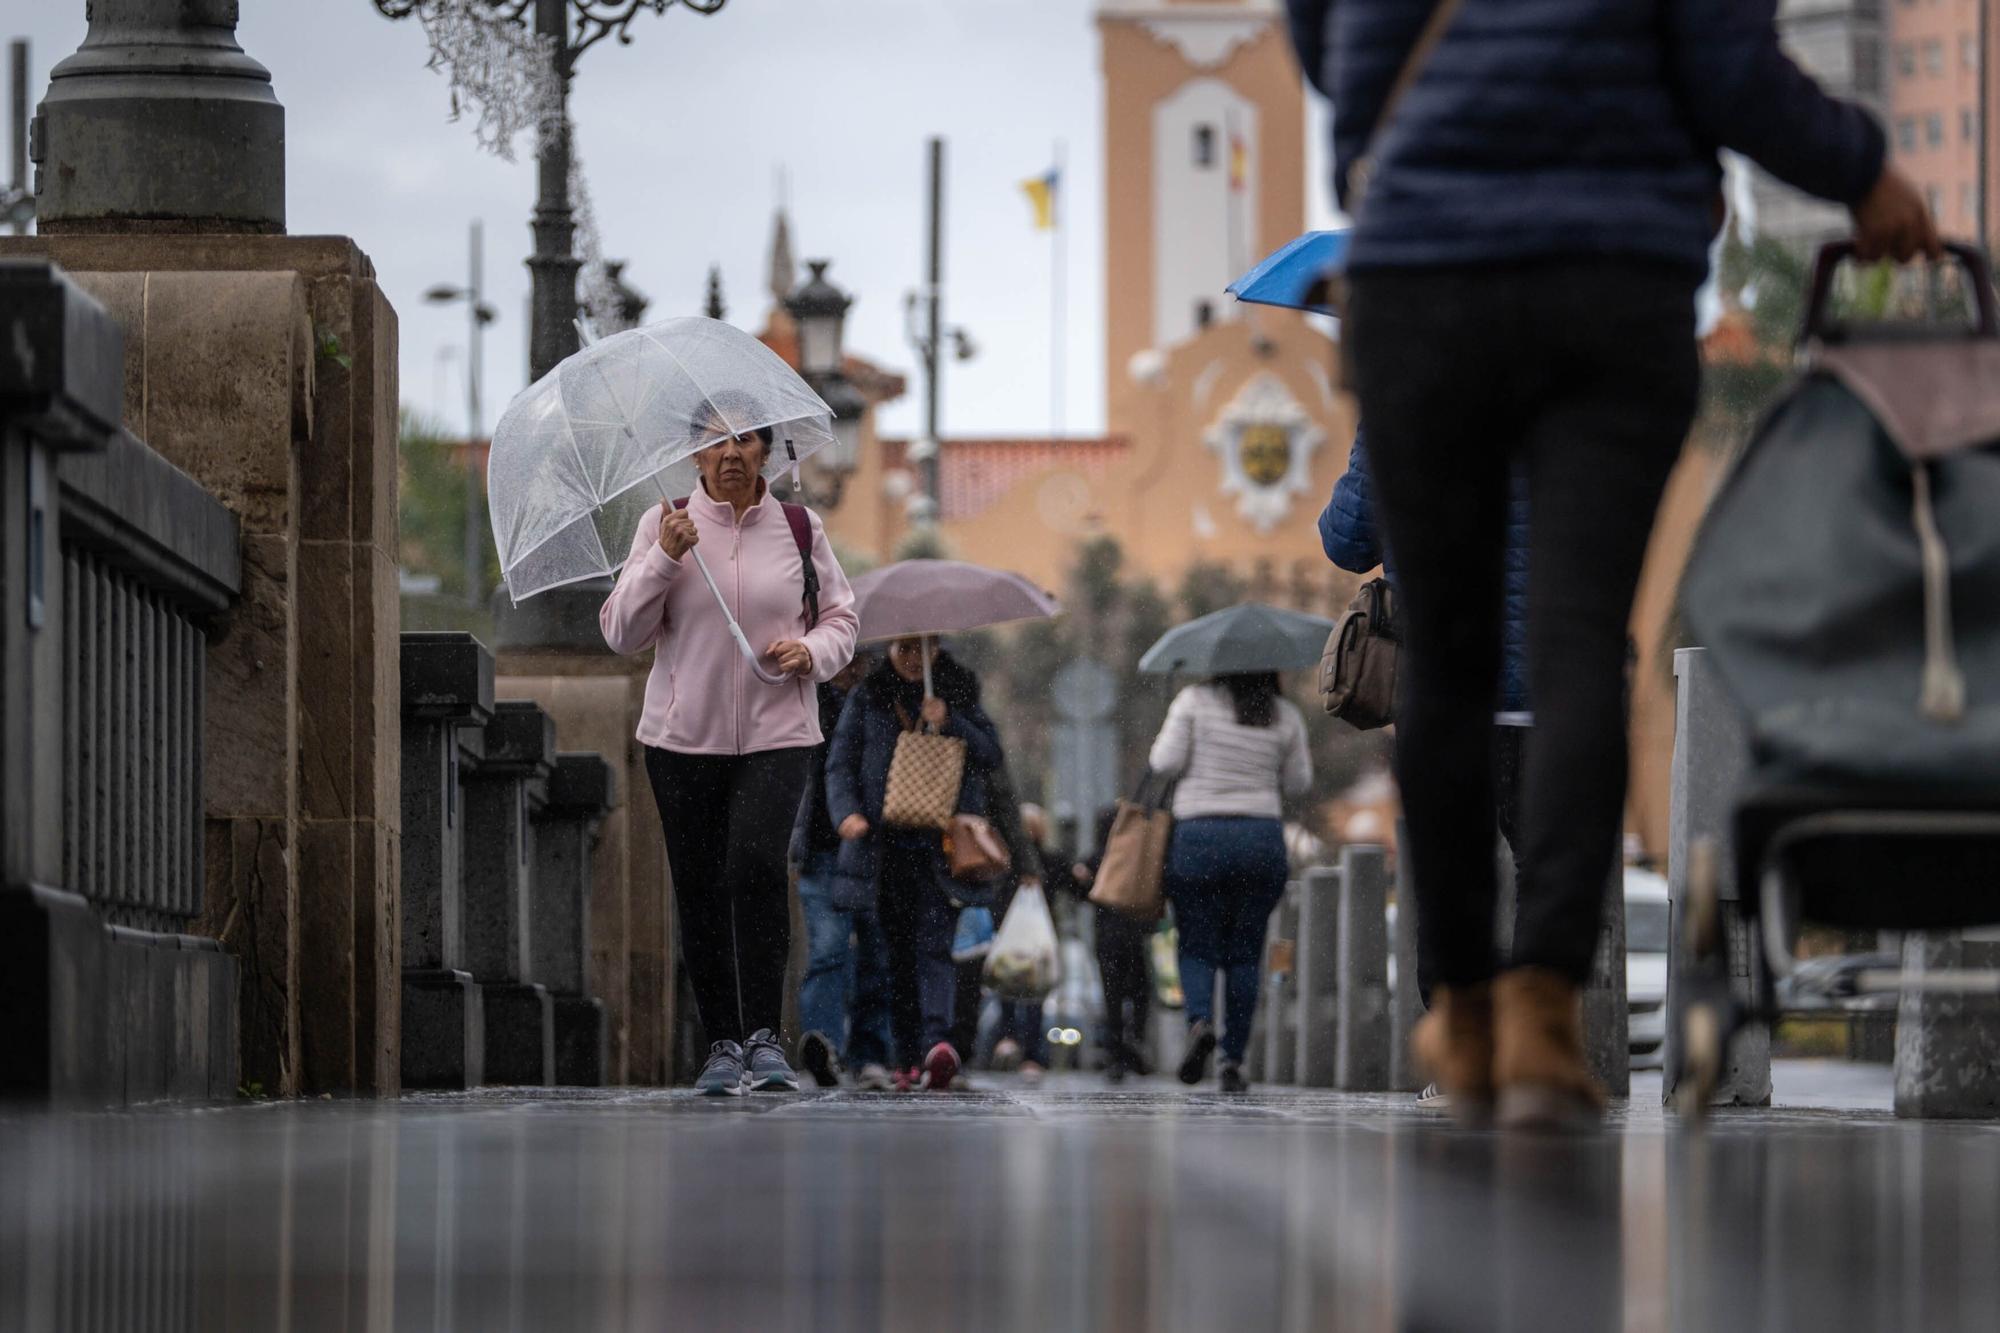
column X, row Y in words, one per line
column 1357, row 674
column 1129, row 878
column 925, row 775
column 975, row 850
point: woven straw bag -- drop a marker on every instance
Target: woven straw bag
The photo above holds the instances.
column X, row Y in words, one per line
column 925, row 775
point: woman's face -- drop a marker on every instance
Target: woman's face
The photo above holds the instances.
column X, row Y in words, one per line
column 906, row 659
column 730, row 467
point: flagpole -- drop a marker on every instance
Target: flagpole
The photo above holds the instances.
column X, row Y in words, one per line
column 1058, row 299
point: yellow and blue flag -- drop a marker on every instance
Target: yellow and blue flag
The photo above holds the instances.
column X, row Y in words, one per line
column 1041, row 191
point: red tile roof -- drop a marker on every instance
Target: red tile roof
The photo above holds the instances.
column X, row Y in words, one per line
column 974, row 473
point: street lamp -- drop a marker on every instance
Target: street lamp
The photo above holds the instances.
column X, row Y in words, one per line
column 568, row 28
column 479, row 315
column 819, row 313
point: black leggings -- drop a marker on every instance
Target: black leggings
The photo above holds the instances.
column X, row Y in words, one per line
column 728, row 821
column 1584, row 370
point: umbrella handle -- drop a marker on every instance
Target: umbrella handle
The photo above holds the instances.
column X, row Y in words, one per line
column 735, row 630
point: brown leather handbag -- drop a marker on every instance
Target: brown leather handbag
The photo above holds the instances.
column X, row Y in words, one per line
column 975, row 850
column 1357, row 672
column 1130, row 874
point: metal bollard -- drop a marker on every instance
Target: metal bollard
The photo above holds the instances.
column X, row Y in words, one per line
column 1711, row 755
column 1947, row 1046
column 1607, row 1016
column 1406, row 1001
column 1281, row 992
column 1362, row 1060
column 1316, row 977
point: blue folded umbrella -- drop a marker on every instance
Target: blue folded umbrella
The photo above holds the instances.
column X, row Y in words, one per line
column 1295, row 274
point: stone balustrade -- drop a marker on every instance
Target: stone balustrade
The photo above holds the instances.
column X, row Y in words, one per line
column 503, row 786
column 118, row 570
column 447, row 681
column 580, row 794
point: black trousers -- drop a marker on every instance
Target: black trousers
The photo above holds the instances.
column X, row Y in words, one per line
column 728, row 820
column 1128, row 981
column 1585, row 369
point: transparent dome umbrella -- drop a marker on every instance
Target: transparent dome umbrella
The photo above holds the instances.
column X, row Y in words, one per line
column 580, row 455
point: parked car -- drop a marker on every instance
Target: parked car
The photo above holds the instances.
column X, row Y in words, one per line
column 1647, row 935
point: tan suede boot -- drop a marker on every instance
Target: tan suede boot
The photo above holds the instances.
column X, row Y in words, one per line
column 1538, row 1065
column 1453, row 1045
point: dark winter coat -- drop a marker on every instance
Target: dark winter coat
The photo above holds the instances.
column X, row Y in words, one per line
column 1569, row 127
column 1353, row 540
column 813, row 832
column 864, row 743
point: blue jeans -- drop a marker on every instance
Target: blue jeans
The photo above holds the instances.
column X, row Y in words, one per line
column 1224, row 878
column 844, row 995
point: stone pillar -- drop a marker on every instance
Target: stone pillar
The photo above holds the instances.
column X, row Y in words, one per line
column 551, row 651
column 264, row 366
column 1406, row 999
column 160, row 122
column 580, row 794
column 1711, row 758
column 1362, row 1062
column 502, row 790
column 1607, row 1013
column 1947, row 1046
column 1281, row 1021
column 1317, row 977
column 447, row 686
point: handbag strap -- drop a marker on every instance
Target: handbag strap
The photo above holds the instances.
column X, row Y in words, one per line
column 1413, row 67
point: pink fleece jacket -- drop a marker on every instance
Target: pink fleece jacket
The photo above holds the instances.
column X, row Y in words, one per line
column 702, row 697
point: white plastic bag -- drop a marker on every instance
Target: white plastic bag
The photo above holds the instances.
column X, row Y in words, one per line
column 1023, row 963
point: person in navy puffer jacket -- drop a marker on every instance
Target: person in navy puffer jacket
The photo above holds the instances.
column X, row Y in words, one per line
column 1538, row 211
column 1352, row 539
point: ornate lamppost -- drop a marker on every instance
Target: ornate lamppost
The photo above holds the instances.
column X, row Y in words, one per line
column 819, row 312
column 565, row 29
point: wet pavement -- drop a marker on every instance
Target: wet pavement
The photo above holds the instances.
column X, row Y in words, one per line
column 1065, row 1207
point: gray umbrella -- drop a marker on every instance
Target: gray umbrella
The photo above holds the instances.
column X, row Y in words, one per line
column 1251, row 637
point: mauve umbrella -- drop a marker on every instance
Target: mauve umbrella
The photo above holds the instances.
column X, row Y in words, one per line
column 925, row 598
column 1250, row 637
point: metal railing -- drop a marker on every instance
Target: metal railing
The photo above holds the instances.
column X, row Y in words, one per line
column 148, row 557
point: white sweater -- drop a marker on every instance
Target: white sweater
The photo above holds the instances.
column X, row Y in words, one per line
column 1224, row 767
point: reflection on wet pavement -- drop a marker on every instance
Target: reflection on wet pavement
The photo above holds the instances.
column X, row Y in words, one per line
column 1055, row 1209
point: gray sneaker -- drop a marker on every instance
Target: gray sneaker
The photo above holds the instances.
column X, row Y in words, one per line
column 769, row 1071
column 723, row 1075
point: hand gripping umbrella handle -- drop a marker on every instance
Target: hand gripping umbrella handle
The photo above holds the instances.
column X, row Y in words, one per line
column 735, row 630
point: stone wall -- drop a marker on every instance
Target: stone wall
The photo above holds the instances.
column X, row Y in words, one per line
column 265, row 367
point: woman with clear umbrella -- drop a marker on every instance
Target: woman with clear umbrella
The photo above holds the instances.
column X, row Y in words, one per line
column 728, row 750
column 1236, row 748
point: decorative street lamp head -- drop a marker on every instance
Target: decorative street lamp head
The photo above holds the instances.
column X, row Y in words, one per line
column 849, row 408
column 819, row 309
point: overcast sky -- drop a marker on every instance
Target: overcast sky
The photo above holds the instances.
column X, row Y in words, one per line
column 682, row 135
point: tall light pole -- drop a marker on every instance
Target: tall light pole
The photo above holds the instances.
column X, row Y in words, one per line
column 478, row 316
column 924, row 326
column 17, row 199
column 553, row 264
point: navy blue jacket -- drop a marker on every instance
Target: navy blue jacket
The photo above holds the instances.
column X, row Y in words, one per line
column 1353, row 541
column 1569, row 127
column 864, row 743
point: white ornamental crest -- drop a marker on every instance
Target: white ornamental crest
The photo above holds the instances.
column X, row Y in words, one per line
column 1265, row 440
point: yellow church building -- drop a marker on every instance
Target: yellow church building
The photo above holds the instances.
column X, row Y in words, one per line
column 1225, row 427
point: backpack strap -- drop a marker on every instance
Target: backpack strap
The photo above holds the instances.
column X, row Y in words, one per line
column 799, row 519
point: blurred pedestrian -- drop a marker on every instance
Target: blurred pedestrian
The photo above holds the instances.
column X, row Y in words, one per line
column 1352, row 539
column 1538, row 193
column 1237, row 747
column 844, row 994
column 905, row 866
column 1008, row 817
column 727, row 753
column 1123, row 944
